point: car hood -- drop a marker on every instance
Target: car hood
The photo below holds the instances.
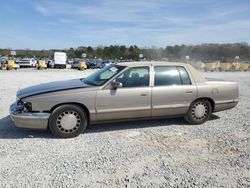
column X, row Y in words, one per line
column 51, row 87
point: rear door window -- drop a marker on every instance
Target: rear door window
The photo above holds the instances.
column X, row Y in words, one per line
column 166, row 75
column 184, row 76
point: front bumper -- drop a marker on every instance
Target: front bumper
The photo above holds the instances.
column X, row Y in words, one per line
column 31, row 120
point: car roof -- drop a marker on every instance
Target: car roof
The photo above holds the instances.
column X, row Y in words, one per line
column 197, row 76
column 149, row 63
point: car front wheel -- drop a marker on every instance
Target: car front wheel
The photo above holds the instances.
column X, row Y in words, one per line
column 199, row 112
column 68, row 121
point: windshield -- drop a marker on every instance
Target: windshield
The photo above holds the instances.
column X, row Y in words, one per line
column 102, row 76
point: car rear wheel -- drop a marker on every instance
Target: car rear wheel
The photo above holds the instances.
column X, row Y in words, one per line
column 199, row 112
column 68, row 121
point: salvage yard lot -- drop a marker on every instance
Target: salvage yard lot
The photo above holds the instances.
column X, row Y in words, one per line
column 155, row 153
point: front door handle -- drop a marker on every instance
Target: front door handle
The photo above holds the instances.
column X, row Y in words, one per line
column 144, row 94
column 189, row 92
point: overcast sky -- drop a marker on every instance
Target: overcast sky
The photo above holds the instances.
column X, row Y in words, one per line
column 45, row 24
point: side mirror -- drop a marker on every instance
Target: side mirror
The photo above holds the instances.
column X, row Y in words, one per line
column 116, row 85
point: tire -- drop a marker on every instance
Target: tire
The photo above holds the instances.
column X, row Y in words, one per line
column 199, row 112
column 68, row 121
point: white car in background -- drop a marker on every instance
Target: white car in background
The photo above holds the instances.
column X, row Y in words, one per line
column 27, row 62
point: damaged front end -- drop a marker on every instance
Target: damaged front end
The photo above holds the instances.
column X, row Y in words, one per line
column 19, row 107
column 22, row 115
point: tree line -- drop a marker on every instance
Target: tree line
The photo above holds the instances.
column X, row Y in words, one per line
column 202, row 52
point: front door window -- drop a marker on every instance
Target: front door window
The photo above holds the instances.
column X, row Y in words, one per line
column 135, row 77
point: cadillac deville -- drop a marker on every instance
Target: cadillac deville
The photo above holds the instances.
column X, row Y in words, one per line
column 123, row 91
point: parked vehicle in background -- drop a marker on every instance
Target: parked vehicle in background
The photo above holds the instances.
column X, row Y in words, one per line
column 75, row 63
column 225, row 67
column 2, row 65
column 95, row 63
column 4, row 59
column 60, row 60
column 99, row 64
column 11, row 64
column 41, row 64
column 70, row 61
column 27, row 62
column 48, row 61
column 107, row 63
column 79, row 64
column 51, row 64
column 240, row 66
column 17, row 60
column 245, row 66
column 124, row 91
column 214, row 66
column 91, row 64
column 3, row 62
column 82, row 65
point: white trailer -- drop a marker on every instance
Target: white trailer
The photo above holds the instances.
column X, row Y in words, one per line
column 60, row 60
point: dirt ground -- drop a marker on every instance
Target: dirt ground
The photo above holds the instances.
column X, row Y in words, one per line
column 155, row 153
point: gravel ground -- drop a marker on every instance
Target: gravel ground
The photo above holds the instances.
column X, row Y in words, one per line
column 156, row 153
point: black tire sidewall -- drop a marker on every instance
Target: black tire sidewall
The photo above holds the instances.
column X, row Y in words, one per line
column 54, row 115
column 189, row 118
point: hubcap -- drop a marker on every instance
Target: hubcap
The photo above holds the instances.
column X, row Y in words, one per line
column 68, row 121
column 199, row 111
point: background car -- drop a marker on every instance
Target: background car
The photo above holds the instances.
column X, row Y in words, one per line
column 70, row 61
column 91, row 64
column 27, row 62
column 79, row 64
column 75, row 63
column 50, row 63
column 3, row 61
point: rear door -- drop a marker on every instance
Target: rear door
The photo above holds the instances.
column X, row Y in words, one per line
column 173, row 91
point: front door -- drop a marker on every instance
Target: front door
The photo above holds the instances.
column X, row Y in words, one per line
column 132, row 100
